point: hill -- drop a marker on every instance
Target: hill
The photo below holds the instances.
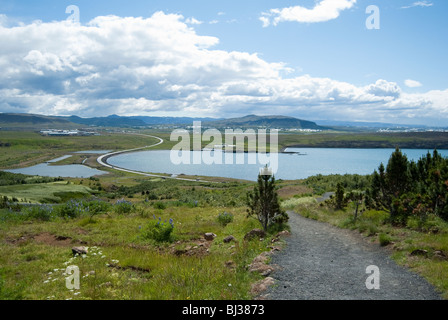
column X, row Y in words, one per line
column 27, row 121
column 253, row 121
column 110, row 121
column 8, row 120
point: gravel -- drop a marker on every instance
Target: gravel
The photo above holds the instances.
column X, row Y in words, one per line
column 322, row 262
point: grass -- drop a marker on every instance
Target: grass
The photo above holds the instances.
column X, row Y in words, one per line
column 45, row 192
column 121, row 263
column 29, row 148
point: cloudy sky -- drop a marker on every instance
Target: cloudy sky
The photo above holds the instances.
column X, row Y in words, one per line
column 312, row 59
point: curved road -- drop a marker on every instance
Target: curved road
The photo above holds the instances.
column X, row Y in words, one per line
column 102, row 160
column 322, row 262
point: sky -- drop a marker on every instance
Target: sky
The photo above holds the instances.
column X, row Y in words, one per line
column 311, row 59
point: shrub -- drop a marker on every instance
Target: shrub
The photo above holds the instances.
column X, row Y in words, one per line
column 123, row 207
column 158, row 231
column 384, row 239
column 97, row 207
column 41, row 212
column 225, row 218
column 71, row 209
column 160, row 205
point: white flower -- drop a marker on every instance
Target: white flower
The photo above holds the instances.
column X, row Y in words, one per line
column 46, row 281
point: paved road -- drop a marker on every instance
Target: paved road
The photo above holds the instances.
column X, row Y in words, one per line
column 102, row 160
column 322, row 262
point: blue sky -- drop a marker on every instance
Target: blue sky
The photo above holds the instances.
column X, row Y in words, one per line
column 313, row 59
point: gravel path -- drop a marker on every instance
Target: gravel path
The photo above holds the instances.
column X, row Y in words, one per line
column 322, row 262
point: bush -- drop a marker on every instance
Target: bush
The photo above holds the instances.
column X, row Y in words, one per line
column 97, row 207
column 41, row 212
column 160, row 205
column 384, row 239
column 71, row 209
column 225, row 218
column 123, row 207
column 158, row 231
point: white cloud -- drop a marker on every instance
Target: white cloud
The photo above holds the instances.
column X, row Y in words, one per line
column 192, row 20
column 419, row 4
column 412, row 83
column 323, row 11
column 161, row 65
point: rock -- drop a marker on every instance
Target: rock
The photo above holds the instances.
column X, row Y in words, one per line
column 261, row 285
column 440, row 255
column 255, row 233
column 419, row 252
column 283, row 233
column 209, row 236
column 229, row 239
column 79, row 250
column 259, row 264
column 261, row 268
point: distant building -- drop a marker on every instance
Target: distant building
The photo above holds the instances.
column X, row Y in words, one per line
column 66, row 133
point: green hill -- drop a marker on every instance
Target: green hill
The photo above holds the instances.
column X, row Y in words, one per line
column 275, row 122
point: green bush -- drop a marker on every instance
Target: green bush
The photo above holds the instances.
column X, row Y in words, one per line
column 159, row 205
column 384, row 239
column 158, row 230
column 225, row 218
column 97, row 207
column 40, row 212
column 71, row 209
column 123, row 207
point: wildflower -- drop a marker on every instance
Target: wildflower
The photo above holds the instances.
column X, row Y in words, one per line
column 46, row 281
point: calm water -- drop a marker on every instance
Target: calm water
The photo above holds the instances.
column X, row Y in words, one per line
column 290, row 166
column 55, row 171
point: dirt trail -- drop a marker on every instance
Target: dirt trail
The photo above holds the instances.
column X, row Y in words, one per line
column 322, row 262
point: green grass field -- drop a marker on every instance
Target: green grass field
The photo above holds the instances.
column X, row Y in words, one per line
column 53, row 192
column 29, row 148
column 122, row 263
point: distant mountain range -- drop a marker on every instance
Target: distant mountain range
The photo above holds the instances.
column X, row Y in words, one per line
column 250, row 121
column 253, row 121
column 35, row 121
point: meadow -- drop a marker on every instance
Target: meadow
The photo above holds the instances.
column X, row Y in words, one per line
column 145, row 236
column 124, row 261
